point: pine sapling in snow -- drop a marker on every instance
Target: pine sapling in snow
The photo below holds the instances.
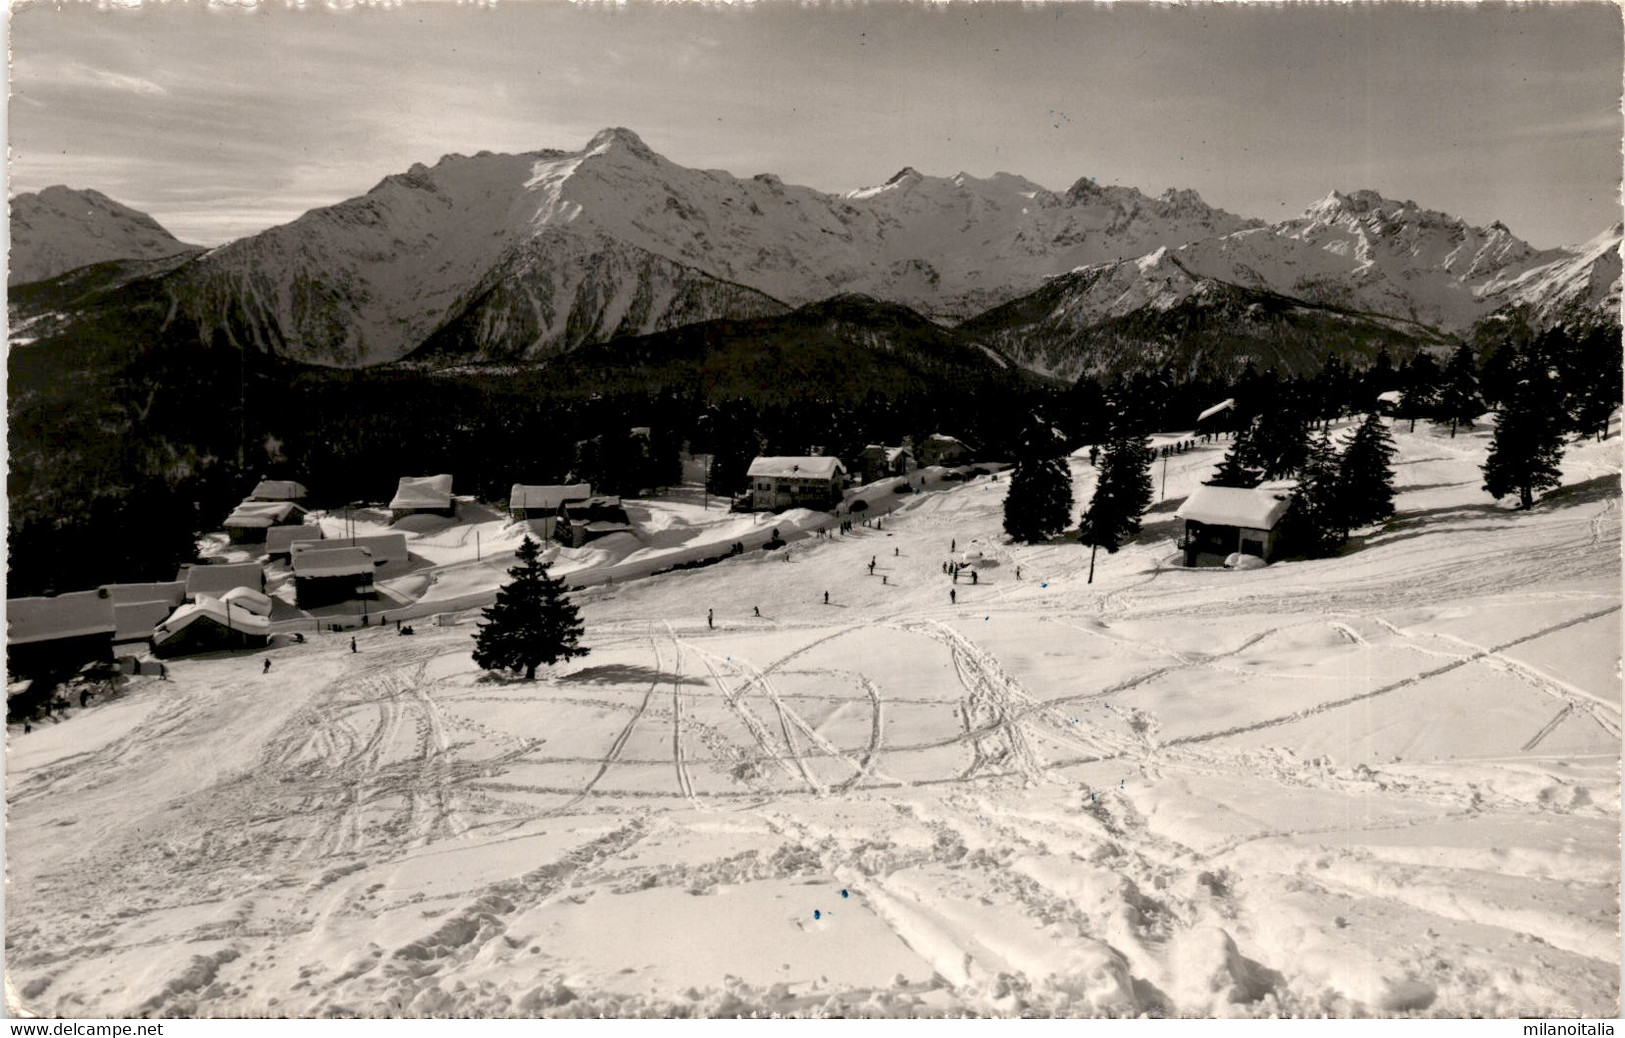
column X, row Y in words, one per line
column 532, row 621
column 1367, row 482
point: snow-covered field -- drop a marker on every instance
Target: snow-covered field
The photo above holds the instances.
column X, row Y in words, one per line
column 1383, row 783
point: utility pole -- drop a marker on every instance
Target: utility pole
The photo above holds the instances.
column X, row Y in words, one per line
column 1164, row 495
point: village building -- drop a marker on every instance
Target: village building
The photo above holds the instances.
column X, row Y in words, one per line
column 171, row 591
column 216, row 580
column 583, row 521
column 279, row 540
column 423, row 495
column 135, row 621
column 332, row 575
column 138, row 608
column 250, row 521
column 777, row 483
column 940, row 449
column 57, row 635
column 389, row 553
column 541, row 504
column 877, row 461
column 278, row 490
column 1215, row 419
column 1220, row 521
column 210, row 624
column 256, row 602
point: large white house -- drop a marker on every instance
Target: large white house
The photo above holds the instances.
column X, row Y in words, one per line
column 811, row 482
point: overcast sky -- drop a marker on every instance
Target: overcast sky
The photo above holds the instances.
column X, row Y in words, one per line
column 223, row 121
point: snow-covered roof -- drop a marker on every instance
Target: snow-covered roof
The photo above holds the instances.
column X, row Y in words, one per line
column 333, row 562
column 261, row 513
column 1393, row 396
column 423, row 492
column 210, row 609
column 1235, row 506
column 797, row 468
column 1223, row 405
column 217, row 580
column 136, row 620
column 257, row 602
column 601, row 526
column 279, row 490
column 385, row 547
column 72, row 615
column 279, row 539
column 173, row 592
column 547, row 496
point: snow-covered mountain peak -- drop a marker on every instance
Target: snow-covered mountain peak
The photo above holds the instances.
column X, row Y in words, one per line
column 617, row 140
column 905, row 176
column 60, row 229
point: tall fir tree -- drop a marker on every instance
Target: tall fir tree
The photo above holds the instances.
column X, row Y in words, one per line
column 1459, row 400
column 1234, row 471
column 1122, row 495
column 1419, row 384
column 1277, row 442
column 1039, row 502
column 532, row 621
column 1366, row 481
column 1320, row 520
column 1527, row 445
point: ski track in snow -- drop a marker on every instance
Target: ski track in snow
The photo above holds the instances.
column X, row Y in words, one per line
column 385, row 834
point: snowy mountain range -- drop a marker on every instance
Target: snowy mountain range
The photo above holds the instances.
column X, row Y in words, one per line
column 493, row 256
column 60, row 229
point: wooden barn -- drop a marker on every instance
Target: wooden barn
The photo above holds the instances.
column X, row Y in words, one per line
column 278, row 490
column 877, row 461
column 1220, row 521
column 778, row 483
column 583, row 521
column 55, row 636
column 423, row 495
column 210, row 625
column 216, row 580
column 171, row 591
column 542, row 504
column 1217, row 419
column 941, row 449
column 250, row 521
column 279, row 540
column 333, row 574
column 388, row 550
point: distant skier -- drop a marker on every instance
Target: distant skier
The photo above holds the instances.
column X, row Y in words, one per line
column 973, row 576
column 826, row 598
column 267, row 669
column 710, row 619
column 953, row 545
column 757, row 610
column 896, row 552
column 953, row 596
column 1018, row 572
column 352, row 643
column 883, row 579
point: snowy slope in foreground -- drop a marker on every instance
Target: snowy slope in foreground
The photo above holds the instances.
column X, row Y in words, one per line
column 1385, row 783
